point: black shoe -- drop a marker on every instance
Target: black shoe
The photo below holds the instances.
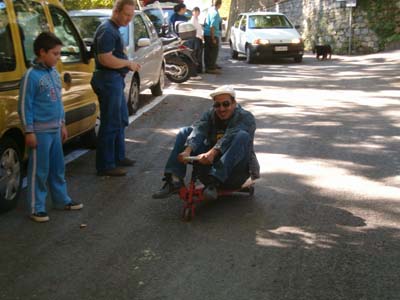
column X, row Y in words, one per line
column 40, row 217
column 73, row 206
column 218, row 67
column 126, row 162
column 169, row 188
column 112, row 172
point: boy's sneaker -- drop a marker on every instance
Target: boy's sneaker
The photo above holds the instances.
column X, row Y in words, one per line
column 170, row 187
column 40, row 217
column 73, row 206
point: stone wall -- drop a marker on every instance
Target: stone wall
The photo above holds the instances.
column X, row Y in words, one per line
column 375, row 23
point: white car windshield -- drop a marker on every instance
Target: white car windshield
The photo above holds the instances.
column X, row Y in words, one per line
column 268, row 21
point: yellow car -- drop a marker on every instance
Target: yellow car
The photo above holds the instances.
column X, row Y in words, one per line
column 20, row 22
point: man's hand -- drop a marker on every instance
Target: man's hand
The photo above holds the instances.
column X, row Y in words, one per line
column 30, row 140
column 133, row 66
column 182, row 155
column 208, row 157
column 64, row 134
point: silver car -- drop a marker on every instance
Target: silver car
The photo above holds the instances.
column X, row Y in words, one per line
column 142, row 45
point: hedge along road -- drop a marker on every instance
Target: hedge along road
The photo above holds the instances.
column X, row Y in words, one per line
column 323, row 223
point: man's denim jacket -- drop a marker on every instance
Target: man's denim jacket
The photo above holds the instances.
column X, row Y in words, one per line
column 204, row 131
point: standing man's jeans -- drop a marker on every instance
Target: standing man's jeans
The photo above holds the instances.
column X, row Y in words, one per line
column 109, row 87
column 231, row 169
column 198, row 49
column 210, row 52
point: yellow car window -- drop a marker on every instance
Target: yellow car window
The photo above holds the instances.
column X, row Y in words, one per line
column 7, row 55
column 31, row 22
column 66, row 32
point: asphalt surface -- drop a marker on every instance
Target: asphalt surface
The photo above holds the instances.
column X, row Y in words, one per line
column 323, row 223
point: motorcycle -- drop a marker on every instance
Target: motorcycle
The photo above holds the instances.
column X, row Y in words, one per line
column 180, row 63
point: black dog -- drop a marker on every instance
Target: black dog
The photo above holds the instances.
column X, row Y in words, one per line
column 322, row 51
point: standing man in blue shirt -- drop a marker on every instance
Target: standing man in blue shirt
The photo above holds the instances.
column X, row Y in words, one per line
column 212, row 33
column 112, row 65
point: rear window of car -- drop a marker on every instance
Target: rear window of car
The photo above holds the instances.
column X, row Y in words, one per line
column 87, row 25
column 268, row 21
column 155, row 17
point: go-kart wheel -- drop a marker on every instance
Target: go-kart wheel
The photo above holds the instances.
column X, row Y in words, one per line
column 187, row 214
column 251, row 190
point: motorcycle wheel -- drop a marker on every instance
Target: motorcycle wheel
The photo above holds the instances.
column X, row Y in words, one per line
column 181, row 76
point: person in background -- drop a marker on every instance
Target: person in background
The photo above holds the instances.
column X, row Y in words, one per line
column 198, row 45
column 178, row 16
column 108, row 83
column 223, row 141
column 212, row 33
column 41, row 111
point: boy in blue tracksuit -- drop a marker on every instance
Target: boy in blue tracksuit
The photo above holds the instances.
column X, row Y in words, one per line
column 42, row 114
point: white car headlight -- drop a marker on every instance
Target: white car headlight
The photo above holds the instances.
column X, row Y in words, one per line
column 260, row 42
column 296, row 41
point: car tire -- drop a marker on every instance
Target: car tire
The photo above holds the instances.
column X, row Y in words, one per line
column 157, row 90
column 298, row 59
column 133, row 101
column 234, row 53
column 10, row 174
column 249, row 55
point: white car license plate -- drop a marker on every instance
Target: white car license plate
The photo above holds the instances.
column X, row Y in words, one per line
column 281, row 48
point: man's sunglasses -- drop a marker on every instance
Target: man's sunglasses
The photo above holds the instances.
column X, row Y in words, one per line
column 224, row 104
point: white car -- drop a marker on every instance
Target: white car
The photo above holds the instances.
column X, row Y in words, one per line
column 142, row 45
column 265, row 35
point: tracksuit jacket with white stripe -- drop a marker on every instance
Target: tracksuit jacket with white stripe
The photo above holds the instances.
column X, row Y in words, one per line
column 40, row 106
column 41, row 111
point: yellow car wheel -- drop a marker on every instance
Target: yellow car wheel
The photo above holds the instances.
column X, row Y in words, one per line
column 10, row 174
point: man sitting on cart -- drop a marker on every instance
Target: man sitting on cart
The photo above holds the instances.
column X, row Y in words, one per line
column 223, row 142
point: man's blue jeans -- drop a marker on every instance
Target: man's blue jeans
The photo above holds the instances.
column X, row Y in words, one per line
column 231, row 169
column 109, row 87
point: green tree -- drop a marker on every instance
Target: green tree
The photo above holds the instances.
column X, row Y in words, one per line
column 87, row 4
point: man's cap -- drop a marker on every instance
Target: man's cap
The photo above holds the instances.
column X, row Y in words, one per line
column 224, row 89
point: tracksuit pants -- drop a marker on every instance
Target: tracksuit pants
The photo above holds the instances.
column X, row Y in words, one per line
column 109, row 87
column 231, row 168
column 46, row 167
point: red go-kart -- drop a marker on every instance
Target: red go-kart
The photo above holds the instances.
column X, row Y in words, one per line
column 192, row 193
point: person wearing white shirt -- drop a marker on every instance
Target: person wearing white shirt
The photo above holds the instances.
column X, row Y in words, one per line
column 198, row 45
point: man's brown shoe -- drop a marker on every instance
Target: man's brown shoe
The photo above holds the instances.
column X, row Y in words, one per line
column 213, row 71
column 113, row 172
column 126, row 162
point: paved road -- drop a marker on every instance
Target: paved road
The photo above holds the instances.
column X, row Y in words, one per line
column 323, row 224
